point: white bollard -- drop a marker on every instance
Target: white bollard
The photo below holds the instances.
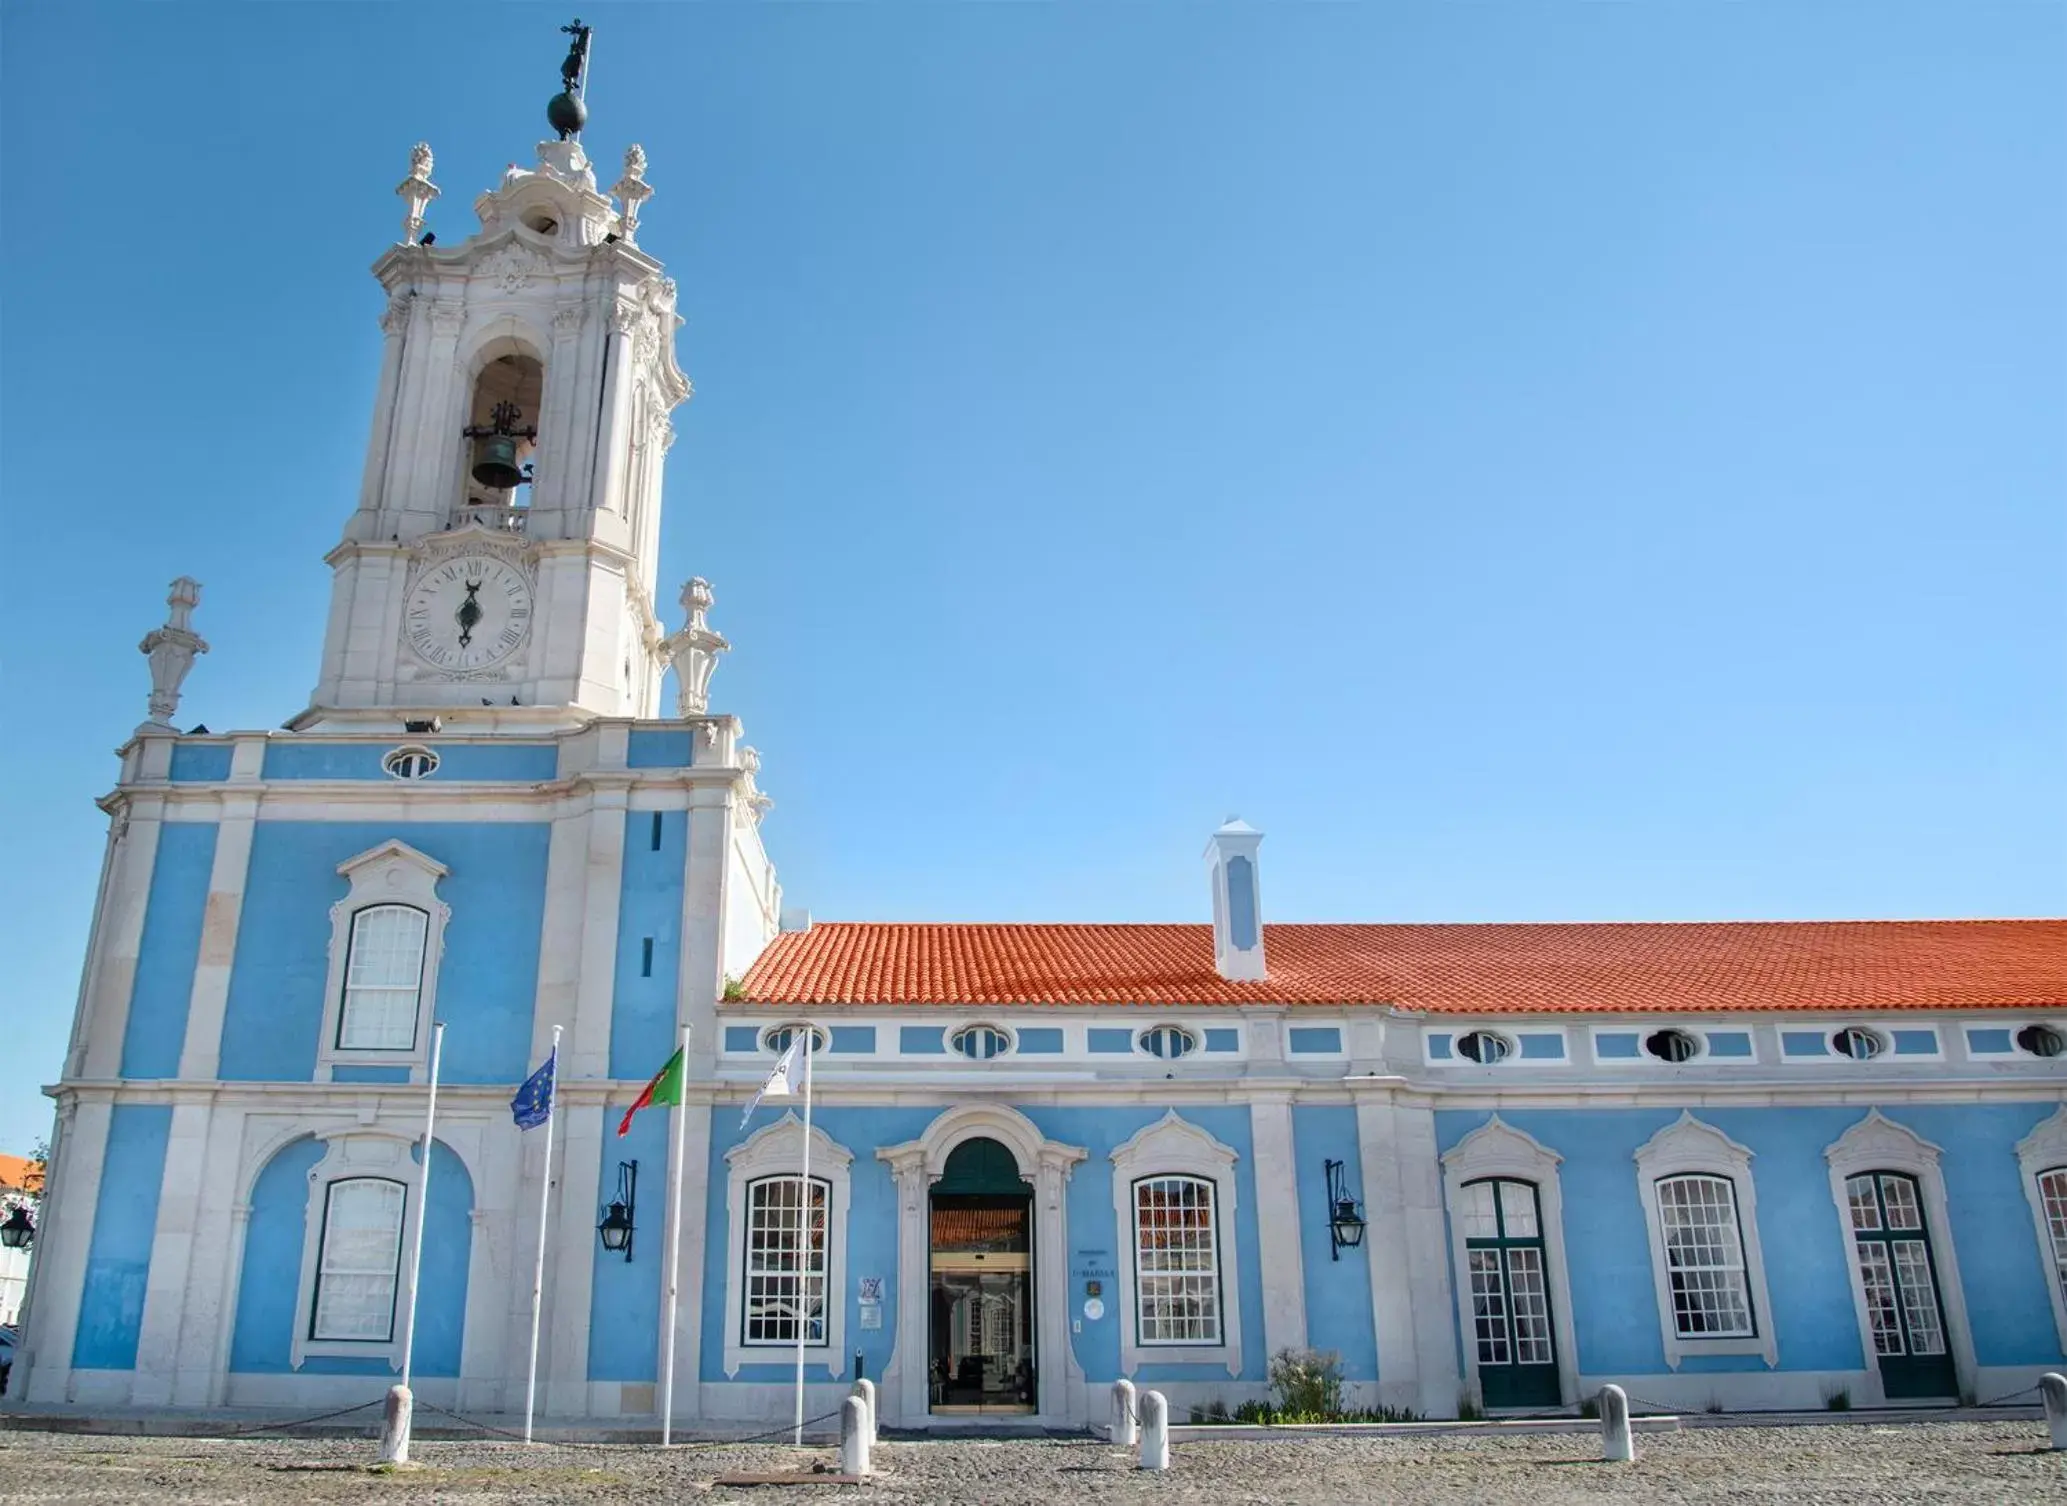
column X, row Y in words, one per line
column 866, row 1390
column 1125, row 1414
column 2052, row 1390
column 394, row 1425
column 1617, row 1442
column 854, row 1436
column 1155, row 1431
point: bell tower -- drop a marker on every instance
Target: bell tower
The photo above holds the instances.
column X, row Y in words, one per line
column 503, row 552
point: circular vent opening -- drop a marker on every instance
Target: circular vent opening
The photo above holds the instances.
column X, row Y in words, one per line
column 2041, row 1040
column 1484, row 1047
column 1672, row 1045
column 1859, row 1044
column 409, row 763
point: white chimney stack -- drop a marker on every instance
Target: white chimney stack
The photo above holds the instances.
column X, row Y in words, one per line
column 1237, row 901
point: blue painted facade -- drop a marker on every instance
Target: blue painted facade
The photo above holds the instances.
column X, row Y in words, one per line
column 118, row 1262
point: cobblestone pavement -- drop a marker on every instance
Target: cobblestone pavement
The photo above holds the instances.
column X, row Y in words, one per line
column 1937, row 1462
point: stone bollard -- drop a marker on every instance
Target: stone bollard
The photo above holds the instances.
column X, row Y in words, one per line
column 866, row 1390
column 1125, row 1414
column 1155, row 1431
column 1617, row 1442
column 394, row 1426
column 2052, row 1390
column 854, row 1436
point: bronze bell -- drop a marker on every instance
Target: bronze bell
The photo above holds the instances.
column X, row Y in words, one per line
column 495, row 462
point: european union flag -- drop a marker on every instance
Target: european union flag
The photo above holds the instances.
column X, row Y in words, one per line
column 533, row 1104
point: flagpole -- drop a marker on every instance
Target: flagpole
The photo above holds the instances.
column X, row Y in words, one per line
column 423, row 1206
column 674, row 1247
column 804, row 1243
column 545, row 1197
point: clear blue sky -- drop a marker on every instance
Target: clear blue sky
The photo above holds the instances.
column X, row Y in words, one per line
column 1537, row 461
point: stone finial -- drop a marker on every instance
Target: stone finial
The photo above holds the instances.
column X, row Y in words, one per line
column 417, row 190
column 171, row 650
column 694, row 651
column 757, row 804
column 633, row 189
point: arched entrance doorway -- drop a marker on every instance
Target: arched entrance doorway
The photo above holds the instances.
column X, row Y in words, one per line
column 982, row 1356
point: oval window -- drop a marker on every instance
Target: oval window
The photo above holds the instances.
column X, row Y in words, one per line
column 1484, row 1047
column 409, row 763
column 778, row 1039
column 1858, row 1043
column 1672, row 1045
column 980, row 1042
column 1167, row 1041
column 2041, row 1040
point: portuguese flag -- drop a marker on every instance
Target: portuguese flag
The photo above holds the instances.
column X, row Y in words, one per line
column 666, row 1087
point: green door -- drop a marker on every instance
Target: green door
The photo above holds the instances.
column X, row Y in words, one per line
column 1901, row 1285
column 1510, row 1294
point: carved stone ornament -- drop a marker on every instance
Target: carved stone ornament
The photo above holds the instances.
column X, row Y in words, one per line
column 416, row 191
column 625, row 318
column 633, row 190
column 569, row 320
column 448, row 319
column 512, row 267
column 171, row 650
column 395, row 317
column 694, row 651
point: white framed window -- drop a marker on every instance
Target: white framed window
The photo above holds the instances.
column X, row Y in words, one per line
column 383, row 983
column 2042, row 1160
column 1878, row 1172
column 358, row 1261
column 785, row 1262
column 778, row 1261
column 1167, row 1041
column 386, row 937
column 980, row 1042
column 1176, row 1261
column 1709, row 1276
column 409, row 762
column 1498, row 1154
column 359, row 1218
column 1486, row 1047
column 1174, row 1201
column 776, row 1040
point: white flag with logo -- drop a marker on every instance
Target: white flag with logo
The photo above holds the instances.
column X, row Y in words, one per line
column 783, row 1081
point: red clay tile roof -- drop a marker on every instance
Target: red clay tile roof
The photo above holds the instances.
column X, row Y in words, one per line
column 1459, row 969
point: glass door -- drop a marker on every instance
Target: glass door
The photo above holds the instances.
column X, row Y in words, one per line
column 1901, row 1285
column 982, row 1335
column 1510, row 1294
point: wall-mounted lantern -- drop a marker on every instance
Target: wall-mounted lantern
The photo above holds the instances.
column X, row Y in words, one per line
column 19, row 1232
column 617, row 1225
column 1345, row 1216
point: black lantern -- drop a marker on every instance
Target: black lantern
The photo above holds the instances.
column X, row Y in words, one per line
column 19, row 1232
column 1345, row 1217
column 616, row 1227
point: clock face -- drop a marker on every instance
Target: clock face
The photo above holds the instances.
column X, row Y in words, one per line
column 468, row 613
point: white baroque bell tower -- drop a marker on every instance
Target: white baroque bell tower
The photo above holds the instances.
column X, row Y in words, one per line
column 508, row 528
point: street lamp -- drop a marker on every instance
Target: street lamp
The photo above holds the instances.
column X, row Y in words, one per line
column 616, row 1227
column 19, row 1232
column 1345, row 1219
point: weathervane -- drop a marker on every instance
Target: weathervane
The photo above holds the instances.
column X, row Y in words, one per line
column 565, row 112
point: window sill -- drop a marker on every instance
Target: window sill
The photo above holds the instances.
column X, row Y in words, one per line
column 389, row 1351
column 1134, row 1357
column 1679, row 1350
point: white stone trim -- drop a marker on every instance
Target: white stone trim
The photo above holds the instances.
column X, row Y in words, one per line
column 1175, row 1147
column 1686, row 1147
column 1877, row 1143
column 2044, row 1149
column 1498, row 1149
column 1045, row 1165
column 1273, row 1140
column 775, row 1151
column 394, row 873
column 349, row 1155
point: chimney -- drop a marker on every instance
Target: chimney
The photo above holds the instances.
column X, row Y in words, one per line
column 1237, row 901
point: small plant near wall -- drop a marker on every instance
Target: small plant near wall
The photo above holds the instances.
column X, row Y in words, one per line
column 1839, row 1400
column 1307, row 1382
column 1468, row 1409
column 1590, row 1407
column 734, row 990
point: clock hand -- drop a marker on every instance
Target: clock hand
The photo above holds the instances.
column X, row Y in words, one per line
column 468, row 615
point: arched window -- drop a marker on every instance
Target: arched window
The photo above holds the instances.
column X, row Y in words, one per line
column 1167, row 1041
column 785, row 1265
column 1176, row 1201
column 383, row 979
column 1702, row 1208
column 358, row 1261
column 1176, row 1261
column 980, row 1042
column 1704, row 1257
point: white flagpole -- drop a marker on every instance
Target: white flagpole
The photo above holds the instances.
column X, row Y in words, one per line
column 674, row 1249
column 804, row 1242
column 545, row 1196
column 423, row 1206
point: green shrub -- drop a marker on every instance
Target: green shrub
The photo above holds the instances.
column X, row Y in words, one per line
column 1839, row 1400
column 1308, row 1383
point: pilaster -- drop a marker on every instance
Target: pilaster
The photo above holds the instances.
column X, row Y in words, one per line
column 703, row 922
column 588, row 1042
column 563, row 1358
column 689, row 1264
column 1277, row 1216
column 111, row 973
column 62, row 1243
column 180, row 1221
column 224, row 913
column 1410, row 1287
